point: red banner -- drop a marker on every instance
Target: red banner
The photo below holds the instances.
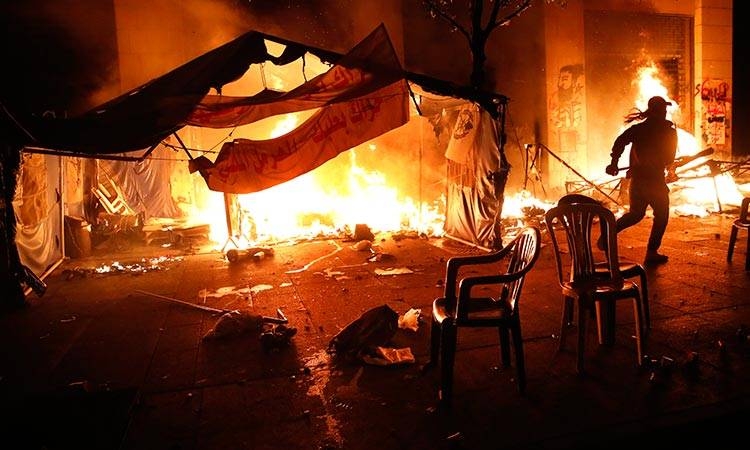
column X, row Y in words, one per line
column 245, row 166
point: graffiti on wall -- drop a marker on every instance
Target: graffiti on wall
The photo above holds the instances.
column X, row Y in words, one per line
column 566, row 103
column 566, row 112
column 716, row 102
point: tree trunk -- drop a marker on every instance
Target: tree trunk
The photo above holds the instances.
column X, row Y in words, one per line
column 11, row 270
column 478, row 59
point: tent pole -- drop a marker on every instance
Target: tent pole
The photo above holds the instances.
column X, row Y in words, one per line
column 591, row 183
column 45, row 151
column 228, row 217
column 413, row 99
column 148, row 152
column 184, row 147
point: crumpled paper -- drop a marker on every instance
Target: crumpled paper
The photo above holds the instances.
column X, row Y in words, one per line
column 410, row 319
column 386, row 356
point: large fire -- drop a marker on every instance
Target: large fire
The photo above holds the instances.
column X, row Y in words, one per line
column 330, row 203
column 700, row 188
column 308, row 207
column 327, row 202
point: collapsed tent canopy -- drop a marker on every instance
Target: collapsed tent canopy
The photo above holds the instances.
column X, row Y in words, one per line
column 146, row 115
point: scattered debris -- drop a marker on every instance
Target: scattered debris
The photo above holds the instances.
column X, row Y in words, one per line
column 401, row 235
column 116, row 267
column 363, row 233
column 410, row 319
column 393, row 271
column 164, row 297
column 276, row 336
column 77, row 272
column 260, row 288
column 362, row 246
column 457, row 436
column 255, row 253
column 367, row 338
column 337, row 249
column 659, row 369
column 384, row 356
column 376, row 327
column 333, row 273
column 381, row 257
column 234, row 323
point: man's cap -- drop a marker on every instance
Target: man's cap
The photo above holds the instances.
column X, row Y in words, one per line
column 657, row 101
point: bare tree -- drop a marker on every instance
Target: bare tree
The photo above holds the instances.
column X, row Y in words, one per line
column 484, row 17
column 477, row 26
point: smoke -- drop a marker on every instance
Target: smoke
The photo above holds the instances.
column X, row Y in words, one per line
column 334, row 25
column 56, row 53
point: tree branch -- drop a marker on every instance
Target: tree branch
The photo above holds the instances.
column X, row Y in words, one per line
column 443, row 14
column 521, row 8
column 493, row 15
column 477, row 9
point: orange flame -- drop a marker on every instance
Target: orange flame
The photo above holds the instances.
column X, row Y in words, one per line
column 313, row 205
column 700, row 189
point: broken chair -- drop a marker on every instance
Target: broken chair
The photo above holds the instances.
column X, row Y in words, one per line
column 741, row 223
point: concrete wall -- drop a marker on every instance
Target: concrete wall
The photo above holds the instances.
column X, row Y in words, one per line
column 713, row 74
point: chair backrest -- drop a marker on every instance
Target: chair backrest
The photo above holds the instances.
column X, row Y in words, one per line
column 577, row 221
column 525, row 249
column 521, row 254
column 577, row 198
column 744, row 210
column 111, row 197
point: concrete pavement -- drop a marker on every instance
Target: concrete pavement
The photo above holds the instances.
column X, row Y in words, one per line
column 107, row 361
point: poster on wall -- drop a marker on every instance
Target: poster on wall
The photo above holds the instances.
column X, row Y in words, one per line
column 715, row 99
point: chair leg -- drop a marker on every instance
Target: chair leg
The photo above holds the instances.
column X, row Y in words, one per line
column 435, row 331
column 569, row 313
column 520, row 362
column 747, row 252
column 581, row 335
column 504, row 346
column 644, row 302
column 637, row 314
column 567, row 319
column 600, row 328
column 732, row 240
column 447, row 358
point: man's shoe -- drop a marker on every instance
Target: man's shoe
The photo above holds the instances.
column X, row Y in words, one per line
column 656, row 258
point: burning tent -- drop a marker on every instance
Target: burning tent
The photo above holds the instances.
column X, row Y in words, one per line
column 364, row 94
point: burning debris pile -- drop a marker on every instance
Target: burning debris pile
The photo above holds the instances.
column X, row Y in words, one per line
column 134, row 268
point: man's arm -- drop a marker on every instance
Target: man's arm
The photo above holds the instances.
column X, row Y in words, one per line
column 618, row 147
column 673, row 144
